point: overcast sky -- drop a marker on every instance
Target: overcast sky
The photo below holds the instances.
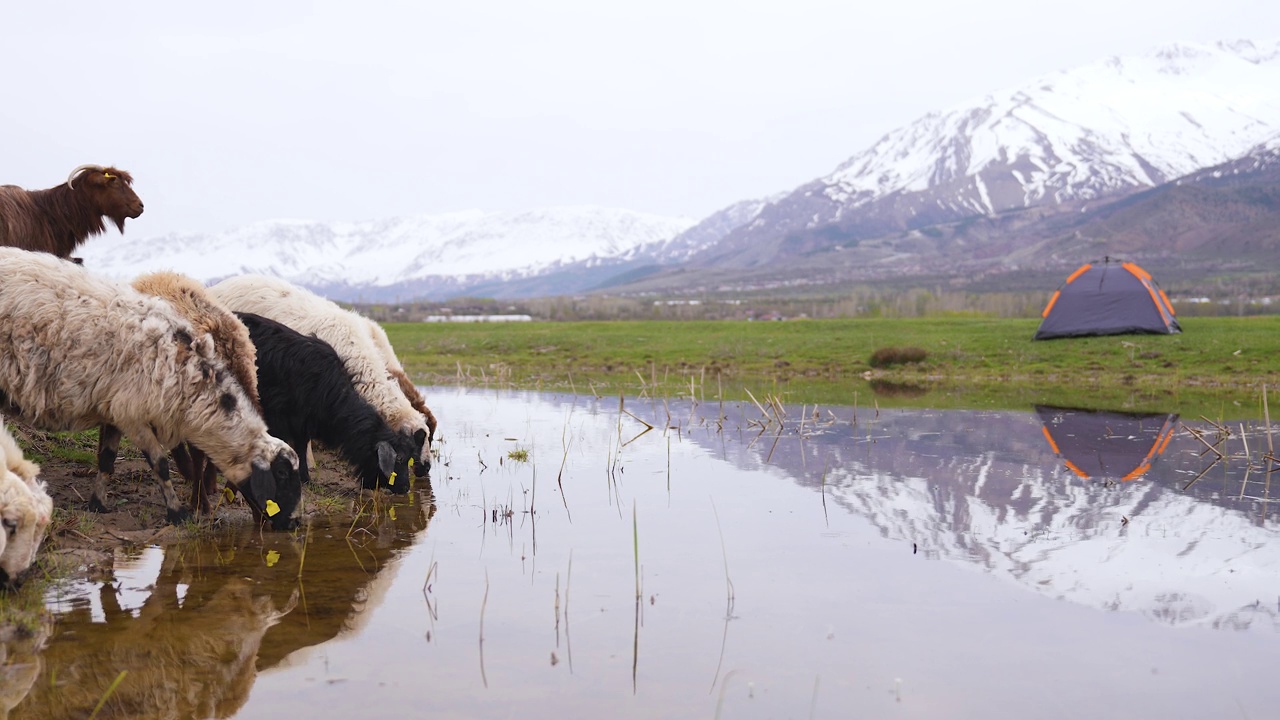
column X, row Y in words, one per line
column 232, row 112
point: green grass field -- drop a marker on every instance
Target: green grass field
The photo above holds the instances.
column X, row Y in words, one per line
column 1216, row 367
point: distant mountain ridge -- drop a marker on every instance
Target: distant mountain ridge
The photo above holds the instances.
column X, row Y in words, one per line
column 409, row 257
column 1168, row 157
column 1067, row 140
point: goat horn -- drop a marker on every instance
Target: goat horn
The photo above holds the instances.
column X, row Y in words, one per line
column 71, row 178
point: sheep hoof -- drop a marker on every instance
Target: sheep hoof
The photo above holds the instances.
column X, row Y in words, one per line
column 177, row 517
column 95, row 505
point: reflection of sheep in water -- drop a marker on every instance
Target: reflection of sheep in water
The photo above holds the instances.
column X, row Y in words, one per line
column 20, row 664
column 198, row 660
column 25, row 511
column 348, row 334
column 84, row 351
column 199, row 656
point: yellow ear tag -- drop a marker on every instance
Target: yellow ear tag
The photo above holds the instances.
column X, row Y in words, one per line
column 392, row 480
column 229, row 494
column 410, row 462
column 391, row 512
column 273, row 557
column 272, row 508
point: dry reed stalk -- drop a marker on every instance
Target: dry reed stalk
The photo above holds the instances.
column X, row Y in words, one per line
column 1266, row 414
column 757, row 402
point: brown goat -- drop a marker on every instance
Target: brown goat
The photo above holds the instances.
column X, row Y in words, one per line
column 60, row 219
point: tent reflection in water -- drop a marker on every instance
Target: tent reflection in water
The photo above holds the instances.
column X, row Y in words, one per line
column 1106, row 445
column 1107, row 298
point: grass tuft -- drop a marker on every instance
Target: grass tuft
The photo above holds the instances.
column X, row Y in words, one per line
column 890, row 356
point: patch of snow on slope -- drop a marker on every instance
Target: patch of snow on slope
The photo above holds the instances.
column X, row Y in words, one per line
column 385, row 252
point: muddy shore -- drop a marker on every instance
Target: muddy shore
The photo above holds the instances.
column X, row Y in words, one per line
column 81, row 543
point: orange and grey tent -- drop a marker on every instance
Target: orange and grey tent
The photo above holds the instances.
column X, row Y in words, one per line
column 1107, row 298
column 1106, row 445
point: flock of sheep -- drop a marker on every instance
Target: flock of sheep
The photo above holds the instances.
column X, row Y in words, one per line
column 234, row 379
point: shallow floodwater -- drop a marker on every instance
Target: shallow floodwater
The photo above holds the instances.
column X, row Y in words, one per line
column 919, row 564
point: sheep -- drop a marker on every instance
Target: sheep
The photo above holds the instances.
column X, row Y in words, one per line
column 396, row 370
column 307, row 393
column 60, row 219
column 346, row 332
column 25, row 511
column 78, row 351
column 232, row 343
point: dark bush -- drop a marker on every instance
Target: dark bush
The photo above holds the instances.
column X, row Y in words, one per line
column 884, row 357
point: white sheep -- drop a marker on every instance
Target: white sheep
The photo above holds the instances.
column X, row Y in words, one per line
column 396, row 370
column 232, row 343
column 79, row 351
column 347, row 332
column 25, row 510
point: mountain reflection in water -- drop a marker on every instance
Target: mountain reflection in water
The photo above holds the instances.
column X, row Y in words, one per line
column 1040, row 498
column 205, row 616
column 689, row 560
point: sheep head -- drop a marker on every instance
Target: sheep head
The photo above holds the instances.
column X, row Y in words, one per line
column 110, row 191
column 25, row 513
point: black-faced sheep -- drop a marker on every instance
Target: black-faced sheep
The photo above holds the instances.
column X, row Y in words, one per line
column 346, row 332
column 307, row 394
column 60, row 219
column 79, row 351
column 25, row 511
column 231, row 343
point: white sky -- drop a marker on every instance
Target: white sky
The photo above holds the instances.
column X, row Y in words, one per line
column 232, row 112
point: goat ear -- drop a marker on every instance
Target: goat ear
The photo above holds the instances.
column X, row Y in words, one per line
column 386, row 458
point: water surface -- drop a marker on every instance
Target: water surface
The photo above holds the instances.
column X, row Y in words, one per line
column 843, row 563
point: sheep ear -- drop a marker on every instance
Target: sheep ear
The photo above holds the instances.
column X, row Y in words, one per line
column 203, row 344
column 386, row 458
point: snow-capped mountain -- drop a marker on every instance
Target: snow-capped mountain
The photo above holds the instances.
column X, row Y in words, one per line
column 1038, row 177
column 1067, row 139
column 400, row 257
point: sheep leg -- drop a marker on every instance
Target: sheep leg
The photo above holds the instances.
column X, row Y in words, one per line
column 204, row 481
column 191, row 462
column 108, row 446
column 209, row 478
column 304, row 451
column 183, row 459
column 158, row 459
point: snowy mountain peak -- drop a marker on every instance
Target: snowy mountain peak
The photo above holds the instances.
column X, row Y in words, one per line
column 1080, row 134
column 407, row 252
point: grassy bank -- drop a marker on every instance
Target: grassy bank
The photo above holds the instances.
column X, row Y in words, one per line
column 1216, row 367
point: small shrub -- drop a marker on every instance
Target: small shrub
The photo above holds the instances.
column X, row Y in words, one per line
column 884, row 357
